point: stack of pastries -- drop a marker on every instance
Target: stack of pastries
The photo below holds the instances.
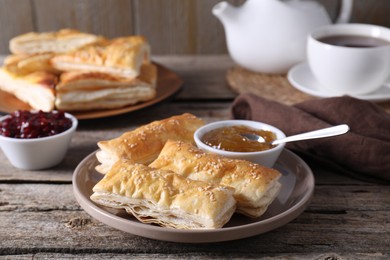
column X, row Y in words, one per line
column 74, row 71
column 157, row 174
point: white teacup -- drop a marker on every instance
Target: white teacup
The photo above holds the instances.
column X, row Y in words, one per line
column 349, row 59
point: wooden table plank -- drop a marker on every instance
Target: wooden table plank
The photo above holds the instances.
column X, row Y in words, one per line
column 56, row 231
column 53, row 222
column 195, row 255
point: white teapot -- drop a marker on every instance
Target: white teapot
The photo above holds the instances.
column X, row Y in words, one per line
column 269, row 36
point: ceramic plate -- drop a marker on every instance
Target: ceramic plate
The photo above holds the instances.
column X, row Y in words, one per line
column 300, row 77
column 168, row 84
column 298, row 185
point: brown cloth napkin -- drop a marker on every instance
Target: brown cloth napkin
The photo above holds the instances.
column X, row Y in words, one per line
column 363, row 152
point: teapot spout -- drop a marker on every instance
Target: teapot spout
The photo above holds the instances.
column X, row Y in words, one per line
column 224, row 11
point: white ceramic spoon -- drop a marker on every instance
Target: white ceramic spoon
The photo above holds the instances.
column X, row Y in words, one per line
column 325, row 132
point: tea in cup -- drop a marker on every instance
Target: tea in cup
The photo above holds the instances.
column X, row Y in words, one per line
column 349, row 59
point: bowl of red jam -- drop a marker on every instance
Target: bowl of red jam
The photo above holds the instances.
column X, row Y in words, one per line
column 35, row 140
column 226, row 138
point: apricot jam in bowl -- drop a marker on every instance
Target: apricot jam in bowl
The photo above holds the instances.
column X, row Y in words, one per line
column 35, row 140
column 225, row 138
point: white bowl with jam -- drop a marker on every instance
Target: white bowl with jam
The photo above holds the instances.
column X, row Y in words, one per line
column 225, row 138
column 35, row 140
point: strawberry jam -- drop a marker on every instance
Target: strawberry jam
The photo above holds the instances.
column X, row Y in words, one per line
column 26, row 124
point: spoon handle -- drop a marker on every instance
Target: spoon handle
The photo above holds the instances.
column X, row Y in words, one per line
column 326, row 132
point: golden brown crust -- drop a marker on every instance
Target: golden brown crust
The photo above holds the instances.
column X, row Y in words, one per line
column 256, row 186
column 80, row 90
column 31, row 79
column 57, row 41
column 143, row 144
column 121, row 57
column 44, row 79
column 36, row 89
column 79, row 80
column 121, row 50
column 103, row 73
column 22, row 64
column 164, row 198
column 76, row 76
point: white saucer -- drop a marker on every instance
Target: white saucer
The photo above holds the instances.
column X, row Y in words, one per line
column 302, row 79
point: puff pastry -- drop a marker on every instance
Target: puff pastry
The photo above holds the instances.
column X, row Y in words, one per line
column 36, row 89
column 42, row 42
column 75, row 71
column 79, row 90
column 143, row 144
column 255, row 186
column 28, row 63
column 122, row 57
column 164, row 198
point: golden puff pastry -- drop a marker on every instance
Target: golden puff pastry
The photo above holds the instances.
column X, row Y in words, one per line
column 164, row 197
column 81, row 90
column 57, row 41
column 23, row 64
column 122, row 57
column 143, row 144
column 255, row 186
column 36, row 89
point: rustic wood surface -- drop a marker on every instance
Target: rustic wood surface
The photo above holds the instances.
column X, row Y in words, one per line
column 173, row 26
column 40, row 218
column 274, row 87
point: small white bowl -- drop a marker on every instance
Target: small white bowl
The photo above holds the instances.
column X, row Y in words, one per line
column 38, row 153
column 266, row 158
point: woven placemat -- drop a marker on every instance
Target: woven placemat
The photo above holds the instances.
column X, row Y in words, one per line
column 273, row 87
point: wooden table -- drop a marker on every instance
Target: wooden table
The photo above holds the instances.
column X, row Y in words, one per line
column 39, row 216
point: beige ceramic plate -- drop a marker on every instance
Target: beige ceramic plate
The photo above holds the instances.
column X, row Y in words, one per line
column 168, row 84
column 298, row 185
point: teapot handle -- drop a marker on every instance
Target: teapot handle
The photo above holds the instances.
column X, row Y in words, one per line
column 345, row 11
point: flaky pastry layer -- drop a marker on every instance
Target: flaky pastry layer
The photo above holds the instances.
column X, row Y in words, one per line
column 80, row 90
column 143, row 144
column 121, row 57
column 164, row 198
column 57, row 41
column 23, row 64
column 255, row 186
column 96, row 73
column 36, row 89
